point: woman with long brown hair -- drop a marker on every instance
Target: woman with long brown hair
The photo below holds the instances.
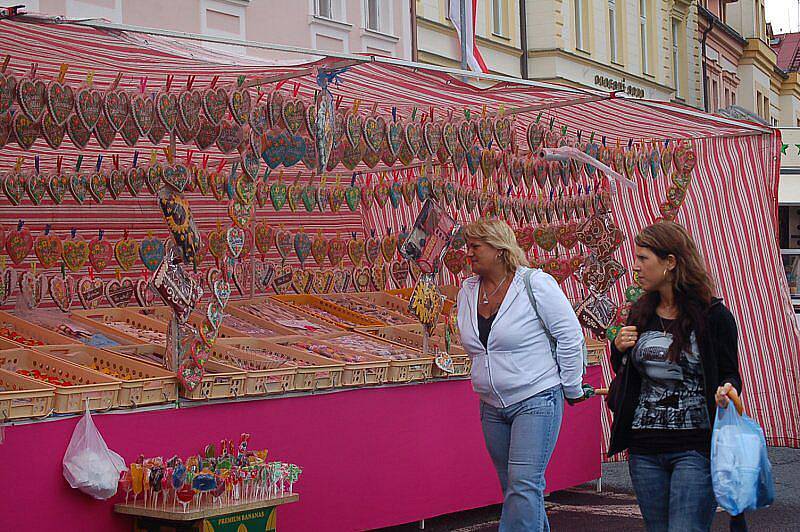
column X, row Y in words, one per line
column 678, row 356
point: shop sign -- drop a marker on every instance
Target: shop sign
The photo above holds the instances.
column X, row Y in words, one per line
column 616, row 85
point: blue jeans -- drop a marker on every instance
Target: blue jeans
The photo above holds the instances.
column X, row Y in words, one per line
column 674, row 491
column 520, row 439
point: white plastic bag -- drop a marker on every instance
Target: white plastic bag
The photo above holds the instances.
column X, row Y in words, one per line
column 89, row 464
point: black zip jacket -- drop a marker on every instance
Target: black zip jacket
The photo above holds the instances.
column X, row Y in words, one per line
column 718, row 356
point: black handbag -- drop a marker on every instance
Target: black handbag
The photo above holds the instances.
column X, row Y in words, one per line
column 616, row 390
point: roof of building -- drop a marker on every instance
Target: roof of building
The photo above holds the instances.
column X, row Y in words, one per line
column 787, row 46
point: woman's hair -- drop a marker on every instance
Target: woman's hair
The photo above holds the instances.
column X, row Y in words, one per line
column 499, row 235
column 691, row 284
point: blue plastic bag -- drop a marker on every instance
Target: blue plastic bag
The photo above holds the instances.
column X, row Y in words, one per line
column 740, row 468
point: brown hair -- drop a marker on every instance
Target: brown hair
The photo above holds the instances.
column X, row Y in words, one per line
column 691, row 284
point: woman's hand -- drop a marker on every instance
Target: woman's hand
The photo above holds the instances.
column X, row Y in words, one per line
column 626, row 338
column 722, row 394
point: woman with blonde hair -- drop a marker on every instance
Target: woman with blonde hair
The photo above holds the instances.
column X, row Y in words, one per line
column 526, row 346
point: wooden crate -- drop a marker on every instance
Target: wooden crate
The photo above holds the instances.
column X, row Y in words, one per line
column 101, row 391
column 164, row 315
column 57, row 322
column 102, row 319
column 264, row 376
column 238, row 308
column 417, row 368
column 394, row 312
column 330, row 312
column 141, row 383
column 320, row 373
column 31, row 331
column 370, row 370
column 220, row 381
column 23, row 398
column 413, row 337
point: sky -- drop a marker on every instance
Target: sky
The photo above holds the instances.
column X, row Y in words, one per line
column 783, row 15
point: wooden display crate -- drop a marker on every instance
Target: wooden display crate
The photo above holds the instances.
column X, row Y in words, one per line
column 31, row 331
column 414, row 369
column 371, row 370
column 395, row 309
column 220, row 381
column 264, row 376
column 146, row 384
column 22, row 397
column 323, row 373
column 325, row 327
column 101, row 391
column 335, row 314
column 413, row 337
column 164, row 315
column 100, row 319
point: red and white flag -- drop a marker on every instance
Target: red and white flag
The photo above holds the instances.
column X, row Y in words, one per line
column 474, row 58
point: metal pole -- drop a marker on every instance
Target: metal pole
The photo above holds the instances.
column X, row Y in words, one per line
column 463, row 21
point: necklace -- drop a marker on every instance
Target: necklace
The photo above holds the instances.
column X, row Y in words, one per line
column 485, row 299
column 664, row 329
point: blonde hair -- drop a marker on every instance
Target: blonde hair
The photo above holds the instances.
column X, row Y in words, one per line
column 499, row 235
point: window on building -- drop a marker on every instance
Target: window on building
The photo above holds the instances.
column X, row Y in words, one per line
column 580, row 35
column 727, row 97
column 798, row 122
column 714, row 95
column 324, row 8
column 766, row 108
column 499, row 17
column 643, row 35
column 373, row 12
column 759, row 104
column 612, row 31
column 733, row 98
column 762, row 30
column 676, row 55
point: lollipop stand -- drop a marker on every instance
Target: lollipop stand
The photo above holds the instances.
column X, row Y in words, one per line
column 253, row 515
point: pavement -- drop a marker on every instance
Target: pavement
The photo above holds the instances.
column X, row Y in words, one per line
column 614, row 507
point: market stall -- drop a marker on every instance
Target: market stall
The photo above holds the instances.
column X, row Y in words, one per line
column 289, row 190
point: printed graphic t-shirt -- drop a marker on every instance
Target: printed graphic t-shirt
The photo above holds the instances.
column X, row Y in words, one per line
column 671, row 414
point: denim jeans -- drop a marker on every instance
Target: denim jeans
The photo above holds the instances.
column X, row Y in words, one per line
column 674, row 491
column 520, row 439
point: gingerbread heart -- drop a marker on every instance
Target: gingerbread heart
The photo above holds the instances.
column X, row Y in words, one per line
column 567, row 234
column 294, row 114
column 413, row 137
column 48, row 249
column 400, row 273
column 263, row 276
column 341, row 281
column 264, row 237
column 119, row 292
column 136, row 179
column 231, row 136
column 207, row 135
column 8, row 88
column 389, row 247
column 167, row 110
column 302, row 281
column 337, row 248
column 5, row 128
column 104, row 133
column 52, row 132
column 145, row 296
column 323, row 281
column 374, row 132
column 100, row 253
column 525, row 238
column 379, row 278
column 32, row 98
column 79, row 187
column 143, row 113
column 215, row 104
column 189, row 104
column 151, row 252
column 395, row 134
column 98, row 186
column 77, row 132
column 362, row 278
column 455, row 260
column 57, row 187
column 32, row 286
column 75, row 252
column 116, row 183
column 282, row 280
column 36, row 187
column 302, row 246
column 355, row 250
column 89, row 105
column 381, row 192
column 8, row 279
column 25, row 130
column 239, row 103
column 90, row 291
column 284, row 243
column 545, row 237
column 319, row 248
column 503, row 132
column 62, row 292
column 484, row 128
column 372, row 250
column 18, row 244
column 217, row 244
column 117, row 108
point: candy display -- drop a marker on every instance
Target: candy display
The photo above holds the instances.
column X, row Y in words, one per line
column 44, row 377
column 272, row 311
column 246, row 327
column 8, row 332
column 230, row 476
column 331, row 351
column 270, row 354
column 367, row 308
column 149, row 336
column 359, row 342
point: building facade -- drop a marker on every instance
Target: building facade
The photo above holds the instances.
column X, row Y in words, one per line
column 380, row 27
column 644, row 48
